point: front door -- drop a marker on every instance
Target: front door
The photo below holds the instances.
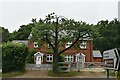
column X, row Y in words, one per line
column 80, row 58
column 38, row 59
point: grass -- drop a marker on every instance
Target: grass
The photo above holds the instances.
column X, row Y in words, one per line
column 92, row 72
column 13, row 74
column 64, row 74
column 0, row 74
column 112, row 73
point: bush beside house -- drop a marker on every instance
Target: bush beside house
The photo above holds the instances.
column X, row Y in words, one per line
column 30, row 57
column 13, row 57
column 61, row 58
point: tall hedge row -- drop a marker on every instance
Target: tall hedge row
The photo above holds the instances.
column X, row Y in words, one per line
column 13, row 57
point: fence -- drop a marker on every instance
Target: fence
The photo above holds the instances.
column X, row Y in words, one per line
column 93, row 65
column 38, row 66
column 71, row 66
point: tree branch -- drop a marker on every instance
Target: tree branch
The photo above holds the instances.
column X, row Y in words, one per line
column 71, row 44
column 74, row 42
column 83, row 35
column 49, row 42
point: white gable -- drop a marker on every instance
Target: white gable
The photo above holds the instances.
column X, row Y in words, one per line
column 38, row 53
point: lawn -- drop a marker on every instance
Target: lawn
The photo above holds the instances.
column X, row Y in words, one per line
column 64, row 74
column 13, row 74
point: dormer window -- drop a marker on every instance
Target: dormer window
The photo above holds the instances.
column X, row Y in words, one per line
column 50, row 46
column 68, row 44
column 83, row 45
column 30, row 36
column 35, row 44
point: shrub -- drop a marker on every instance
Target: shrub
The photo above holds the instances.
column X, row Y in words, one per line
column 13, row 57
column 30, row 57
column 61, row 58
column 61, row 74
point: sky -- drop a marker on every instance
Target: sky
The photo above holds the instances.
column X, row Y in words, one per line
column 14, row 13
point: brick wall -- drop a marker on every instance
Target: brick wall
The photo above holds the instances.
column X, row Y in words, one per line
column 72, row 51
column 97, row 59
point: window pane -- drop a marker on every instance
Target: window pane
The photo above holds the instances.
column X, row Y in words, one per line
column 50, row 59
column 47, row 59
column 83, row 45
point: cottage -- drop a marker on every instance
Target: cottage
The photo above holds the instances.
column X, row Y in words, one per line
column 82, row 53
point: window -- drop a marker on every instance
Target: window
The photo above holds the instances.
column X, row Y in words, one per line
column 49, row 46
column 68, row 44
column 35, row 44
column 68, row 58
column 83, row 45
column 49, row 58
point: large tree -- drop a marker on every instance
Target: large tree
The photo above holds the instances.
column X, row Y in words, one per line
column 57, row 29
column 22, row 33
column 108, row 37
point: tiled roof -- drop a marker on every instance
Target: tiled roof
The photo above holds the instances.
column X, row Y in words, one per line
column 96, row 53
column 21, row 41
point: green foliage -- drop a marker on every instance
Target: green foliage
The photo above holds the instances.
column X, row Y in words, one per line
column 13, row 57
column 111, row 72
column 118, row 75
column 30, row 57
column 4, row 34
column 49, row 51
column 13, row 74
column 22, row 33
column 68, row 29
column 108, row 35
column 61, row 58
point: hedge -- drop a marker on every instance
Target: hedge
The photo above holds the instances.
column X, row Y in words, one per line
column 13, row 57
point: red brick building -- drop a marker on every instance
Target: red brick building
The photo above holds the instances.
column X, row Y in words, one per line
column 83, row 51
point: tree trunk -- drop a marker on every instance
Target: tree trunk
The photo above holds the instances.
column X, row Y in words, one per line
column 56, row 55
column 55, row 63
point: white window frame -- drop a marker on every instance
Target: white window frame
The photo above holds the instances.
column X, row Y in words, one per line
column 48, row 56
column 35, row 44
column 83, row 45
column 38, row 53
column 68, row 58
column 68, row 44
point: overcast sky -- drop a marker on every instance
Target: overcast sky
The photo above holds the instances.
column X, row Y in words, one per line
column 15, row 14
